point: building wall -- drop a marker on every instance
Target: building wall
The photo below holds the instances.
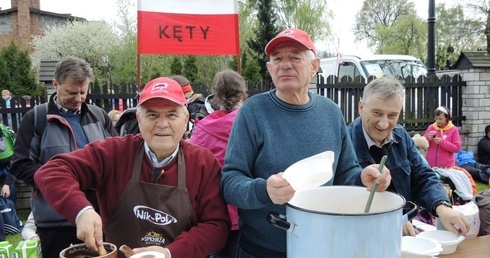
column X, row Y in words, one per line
column 33, row 3
column 24, row 21
column 6, row 27
column 9, row 30
column 476, row 107
column 47, row 21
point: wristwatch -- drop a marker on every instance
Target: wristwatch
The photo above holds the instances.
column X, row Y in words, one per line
column 445, row 203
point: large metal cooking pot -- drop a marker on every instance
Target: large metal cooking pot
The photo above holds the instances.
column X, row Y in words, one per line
column 330, row 222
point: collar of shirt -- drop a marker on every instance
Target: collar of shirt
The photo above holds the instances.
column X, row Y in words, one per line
column 64, row 110
column 154, row 159
column 370, row 141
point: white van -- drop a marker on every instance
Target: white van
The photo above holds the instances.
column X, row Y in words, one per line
column 399, row 66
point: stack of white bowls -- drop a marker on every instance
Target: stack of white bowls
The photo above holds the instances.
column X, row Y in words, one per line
column 448, row 240
column 418, row 247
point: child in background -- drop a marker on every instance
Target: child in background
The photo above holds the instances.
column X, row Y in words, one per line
column 29, row 231
column 114, row 115
column 422, row 145
column 444, row 140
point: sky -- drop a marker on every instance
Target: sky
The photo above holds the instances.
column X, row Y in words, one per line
column 89, row 9
column 343, row 10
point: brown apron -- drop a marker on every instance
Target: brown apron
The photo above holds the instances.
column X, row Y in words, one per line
column 149, row 214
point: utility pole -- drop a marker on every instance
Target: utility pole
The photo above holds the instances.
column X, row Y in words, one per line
column 431, row 45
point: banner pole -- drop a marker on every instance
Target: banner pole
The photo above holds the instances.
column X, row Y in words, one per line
column 237, row 35
column 239, row 64
column 138, row 72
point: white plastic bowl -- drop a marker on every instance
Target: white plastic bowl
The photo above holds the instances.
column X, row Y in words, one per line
column 447, row 239
column 419, row 247
column 310, row 172
column 149, row 254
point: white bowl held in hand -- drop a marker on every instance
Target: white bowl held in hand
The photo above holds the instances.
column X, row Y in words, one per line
column 447, row 239
column 310, row 172
column 419, row 247
column 149, row 254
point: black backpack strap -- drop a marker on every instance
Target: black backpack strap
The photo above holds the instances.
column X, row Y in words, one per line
column 40, row 119
column 41, row 113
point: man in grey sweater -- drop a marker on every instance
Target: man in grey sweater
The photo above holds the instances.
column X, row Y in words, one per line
column 274, row 130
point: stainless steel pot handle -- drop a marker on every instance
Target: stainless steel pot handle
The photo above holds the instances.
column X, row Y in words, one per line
column 410, row 212
column 278, row 220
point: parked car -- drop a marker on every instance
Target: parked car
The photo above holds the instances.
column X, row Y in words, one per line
column 399, row 66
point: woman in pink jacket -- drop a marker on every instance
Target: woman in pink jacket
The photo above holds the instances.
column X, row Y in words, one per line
column 444, row 140
column 229, row 91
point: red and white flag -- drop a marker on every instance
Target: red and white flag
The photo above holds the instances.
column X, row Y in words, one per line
column 188, row 27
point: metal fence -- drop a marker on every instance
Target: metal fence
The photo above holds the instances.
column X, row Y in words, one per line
column 422, row 96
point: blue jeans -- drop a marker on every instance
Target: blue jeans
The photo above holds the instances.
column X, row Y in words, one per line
column 479, row 172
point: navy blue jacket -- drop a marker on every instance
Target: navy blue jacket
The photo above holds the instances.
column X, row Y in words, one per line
column 410, row 176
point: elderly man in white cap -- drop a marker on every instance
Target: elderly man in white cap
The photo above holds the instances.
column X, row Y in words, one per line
column 274, row 130
column 156, row 191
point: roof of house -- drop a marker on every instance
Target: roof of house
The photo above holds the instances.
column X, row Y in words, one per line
column 41, row 12
column 473, row 59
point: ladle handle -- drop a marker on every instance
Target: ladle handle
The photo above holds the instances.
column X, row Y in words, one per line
column 102, row 250
column 373, row 188
column 126, row 250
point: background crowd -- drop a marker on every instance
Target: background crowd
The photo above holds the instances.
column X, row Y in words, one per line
column 215, row 164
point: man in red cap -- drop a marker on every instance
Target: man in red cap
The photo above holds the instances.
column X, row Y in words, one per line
column 154, row 194
column 275, row 129
column 184, row 83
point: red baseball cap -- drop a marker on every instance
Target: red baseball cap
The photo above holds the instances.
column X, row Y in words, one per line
column 163, row 88
column 187, row 88
column 290, row 35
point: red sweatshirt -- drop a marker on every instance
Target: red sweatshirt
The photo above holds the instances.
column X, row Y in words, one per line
column 107, row 166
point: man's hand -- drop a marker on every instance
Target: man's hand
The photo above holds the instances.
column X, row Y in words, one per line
column 89, row 229
column 370, row 174
column 5, row 191
column 409, row 229
column 453, row 220
column 279, row 190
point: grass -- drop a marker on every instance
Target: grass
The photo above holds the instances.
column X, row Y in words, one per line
column 481, row 186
